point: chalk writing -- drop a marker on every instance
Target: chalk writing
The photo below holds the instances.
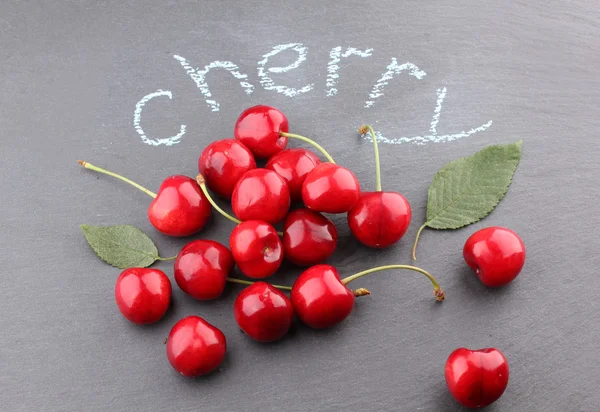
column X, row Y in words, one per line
column 269, row 84
column 393, row 69
column 137, row 118
column 332, row 68
column 433, row 136
column 199, row 77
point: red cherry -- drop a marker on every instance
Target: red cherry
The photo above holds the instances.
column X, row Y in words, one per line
column 263, row 312
column 330, row 188
column 195, row 347
column 496, row 254
column 258, row 128
column 308, row 237
column 379, row 219
column 320, row 299
column 202, row 267
column 476, row 378
column 180, row 208
column 261, row 194
column 143, row 295
column 256, row 248
column 293, row 165
column 223, row 163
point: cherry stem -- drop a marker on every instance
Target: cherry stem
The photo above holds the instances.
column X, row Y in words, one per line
column 247, row 282
column 106, row 172
column 202, row 183
column 169, row 258
column 310, row 141
column 414, row 249
column 437, row 291
column 363, row 130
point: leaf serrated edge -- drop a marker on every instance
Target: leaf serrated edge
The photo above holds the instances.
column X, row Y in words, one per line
column 518, row 144
column 155, row 257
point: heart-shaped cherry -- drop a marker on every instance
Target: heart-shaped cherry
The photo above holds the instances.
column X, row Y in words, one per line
column 293, row 165
column 178, row 209
column 308, row 237
column 263, row 312
column 254, row 244
column 258, row 128
column 476, row 378
column 143, row 295
column 379, row 219
column 496, row 254
column 223, row 163
column 321, row 299
column 330, row 188
column 195, row 347
column 261, row 194
column 202, row 267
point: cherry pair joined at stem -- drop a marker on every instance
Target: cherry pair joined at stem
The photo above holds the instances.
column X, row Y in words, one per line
column 328, row 187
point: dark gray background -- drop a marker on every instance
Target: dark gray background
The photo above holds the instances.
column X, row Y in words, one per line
column 71, row 74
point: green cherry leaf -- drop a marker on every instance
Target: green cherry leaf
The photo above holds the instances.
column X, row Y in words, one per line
column 468, row 189
column 122, row 246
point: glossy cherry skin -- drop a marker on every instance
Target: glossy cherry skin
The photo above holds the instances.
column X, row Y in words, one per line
column 263, row 312
column 258, row 128
column 143, row 295
column 476, row 378
column 223, row 163
column 180, row 208
column 202, row 267
column 195, row 347
column 379, row 219
column 496, row 254
column 320, row 299
column 256, row 248
column 261, row 194
column 308, row 237
column 330, row 188
column 293, row 165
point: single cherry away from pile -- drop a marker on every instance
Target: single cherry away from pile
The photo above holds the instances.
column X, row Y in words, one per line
column 496, row 255
column 476, row 378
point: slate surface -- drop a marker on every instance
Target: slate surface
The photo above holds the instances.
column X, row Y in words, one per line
column 71, row 75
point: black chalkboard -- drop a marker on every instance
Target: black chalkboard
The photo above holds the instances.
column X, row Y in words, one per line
column 141, row 87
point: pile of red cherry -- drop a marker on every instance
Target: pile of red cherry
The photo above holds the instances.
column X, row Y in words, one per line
column 261, row 198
